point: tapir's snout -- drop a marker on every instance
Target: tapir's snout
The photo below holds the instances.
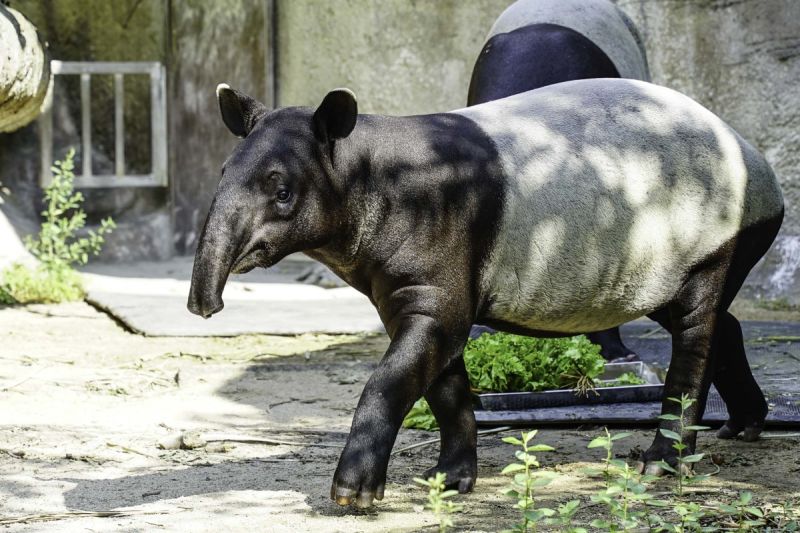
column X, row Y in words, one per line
column 205, row 293
column 204, row 306
column 213, row 262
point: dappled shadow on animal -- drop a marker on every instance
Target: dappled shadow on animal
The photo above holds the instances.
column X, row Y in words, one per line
column 535, row 43
column 570, row 208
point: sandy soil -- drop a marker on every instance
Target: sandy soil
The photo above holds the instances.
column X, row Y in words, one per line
column 85, row 404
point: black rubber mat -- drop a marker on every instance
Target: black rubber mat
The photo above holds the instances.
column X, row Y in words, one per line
column 784, row 412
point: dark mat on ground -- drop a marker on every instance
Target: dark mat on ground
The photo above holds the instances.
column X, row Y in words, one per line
column 773, row 349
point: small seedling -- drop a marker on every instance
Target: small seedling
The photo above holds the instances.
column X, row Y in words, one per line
column 527, row 480
column 747, row 516
column 439, row 500
column 565, row 514
column 607, row 443
column 625, row 488
column 685, row 463
column 57, row 246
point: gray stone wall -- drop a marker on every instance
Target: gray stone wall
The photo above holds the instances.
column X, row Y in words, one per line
column 202, row 42
column 398, row 56
column 211, row 41
column 739, row 58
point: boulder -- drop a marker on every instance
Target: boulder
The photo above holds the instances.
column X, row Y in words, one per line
column 24, row 71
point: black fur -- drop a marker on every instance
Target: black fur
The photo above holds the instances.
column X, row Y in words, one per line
column 404, row 210
column 239, row 111
column 535, row 56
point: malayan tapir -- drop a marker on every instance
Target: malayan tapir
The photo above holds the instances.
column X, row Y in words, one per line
column 574, row 207
column 535, row 43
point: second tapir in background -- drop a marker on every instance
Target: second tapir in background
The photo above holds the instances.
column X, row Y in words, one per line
column 535, row 43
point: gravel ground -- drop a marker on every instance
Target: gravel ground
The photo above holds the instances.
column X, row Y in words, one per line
column 85, row 405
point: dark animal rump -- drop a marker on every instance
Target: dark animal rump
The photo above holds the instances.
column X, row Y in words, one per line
column 535, row 56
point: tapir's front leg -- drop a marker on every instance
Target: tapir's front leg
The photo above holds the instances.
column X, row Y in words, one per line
column 451, row 403
column 421, row 348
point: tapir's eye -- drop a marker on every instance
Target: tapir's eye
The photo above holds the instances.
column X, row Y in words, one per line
column 283, row 195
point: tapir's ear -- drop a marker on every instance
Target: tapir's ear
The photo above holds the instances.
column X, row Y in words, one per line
column 239, row 111
column 336, row 116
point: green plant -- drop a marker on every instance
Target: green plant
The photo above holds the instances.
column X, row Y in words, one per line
column 685, row 463
column 625, row 490
column 746, row 515
column 565, row 514
column 526, row 480
column 23, row 285
column 439, row 500
column 777, row 304
column 420, row 417
column 502, row 362
column 788, row 519
column 607, row 443
column 57, row 246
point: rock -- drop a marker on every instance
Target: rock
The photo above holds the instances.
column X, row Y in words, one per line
column 320, row 275
column 170, row 442
column 24, row 71
column 192, row 440
column 188, row 440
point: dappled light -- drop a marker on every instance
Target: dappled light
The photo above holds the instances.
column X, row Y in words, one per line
column 484, row 265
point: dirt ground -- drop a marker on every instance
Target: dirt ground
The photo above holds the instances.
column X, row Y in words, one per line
column 85, row 404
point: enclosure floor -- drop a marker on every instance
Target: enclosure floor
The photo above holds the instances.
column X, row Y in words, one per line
column 150, row 298
column 84, row 404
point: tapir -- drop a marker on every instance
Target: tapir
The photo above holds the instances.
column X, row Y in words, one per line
column 574, row 207
column 535, row 43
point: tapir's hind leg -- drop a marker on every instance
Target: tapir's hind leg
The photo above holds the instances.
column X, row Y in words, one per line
column 747, row 407
column 691, row 318
column 450, row 402
column 707, row 344
column 611, row 345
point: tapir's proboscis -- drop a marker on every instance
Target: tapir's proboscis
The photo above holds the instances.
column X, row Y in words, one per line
column 575, row 207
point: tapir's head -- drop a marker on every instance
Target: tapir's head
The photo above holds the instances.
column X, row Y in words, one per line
column 277, row 194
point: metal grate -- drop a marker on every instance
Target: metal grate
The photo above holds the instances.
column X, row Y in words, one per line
column 158, row 124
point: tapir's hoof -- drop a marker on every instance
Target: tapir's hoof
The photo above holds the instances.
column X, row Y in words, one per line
column 460, row 479
column 750, row 433
column 362, row 498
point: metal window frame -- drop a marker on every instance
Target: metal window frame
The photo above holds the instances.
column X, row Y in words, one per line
column 158, row 124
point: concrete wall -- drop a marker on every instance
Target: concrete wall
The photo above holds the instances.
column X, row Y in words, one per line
column 202, row 42
column 211, row 41
column 739, row 58
column 399, row 56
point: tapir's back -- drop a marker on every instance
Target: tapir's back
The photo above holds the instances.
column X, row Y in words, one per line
column 616, row 188
column 600, row 21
